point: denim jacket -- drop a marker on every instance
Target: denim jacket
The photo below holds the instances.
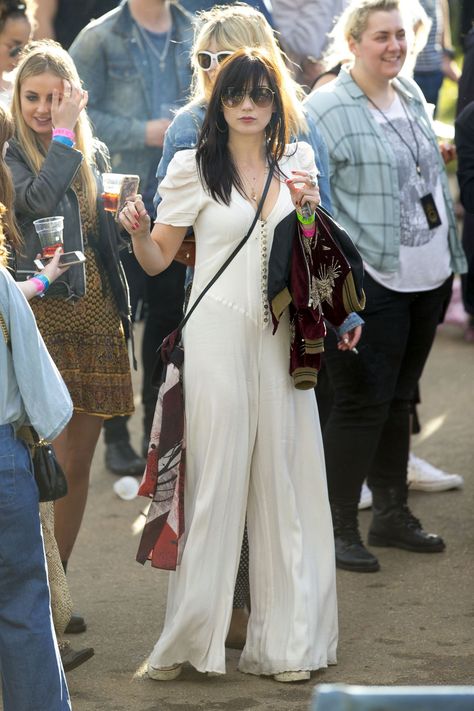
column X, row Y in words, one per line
column 184, row 132
column 113, row 66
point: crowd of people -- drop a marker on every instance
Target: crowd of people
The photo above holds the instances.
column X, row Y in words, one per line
column 235, row 126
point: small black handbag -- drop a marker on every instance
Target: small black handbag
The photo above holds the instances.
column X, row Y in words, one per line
column 49, row 475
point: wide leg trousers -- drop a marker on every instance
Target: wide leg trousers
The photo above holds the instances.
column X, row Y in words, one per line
column 253, row 447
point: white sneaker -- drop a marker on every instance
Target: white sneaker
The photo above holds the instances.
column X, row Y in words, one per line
column 365, row 501
column 423, row 476
column 290, row 676
column 164, row 673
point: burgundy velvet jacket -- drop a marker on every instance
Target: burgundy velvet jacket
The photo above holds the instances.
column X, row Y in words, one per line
column 318, row 279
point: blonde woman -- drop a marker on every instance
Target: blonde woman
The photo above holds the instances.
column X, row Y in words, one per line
column 390, row 190
column 56, row 166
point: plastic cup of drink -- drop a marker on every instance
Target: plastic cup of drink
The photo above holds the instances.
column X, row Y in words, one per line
column 112, row 183
column 126, row 488
column 50, row 234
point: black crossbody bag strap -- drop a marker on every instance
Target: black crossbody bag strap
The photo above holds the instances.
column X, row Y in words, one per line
column 234, row 253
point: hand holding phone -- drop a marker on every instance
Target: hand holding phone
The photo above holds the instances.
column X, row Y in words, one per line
column 66, row 259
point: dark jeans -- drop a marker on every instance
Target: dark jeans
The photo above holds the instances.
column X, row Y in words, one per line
column 366, row 433
column 467, row 279
column 430, row 84
column 164, row 298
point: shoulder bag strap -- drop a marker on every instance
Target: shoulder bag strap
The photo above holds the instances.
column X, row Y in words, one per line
column 234, row 253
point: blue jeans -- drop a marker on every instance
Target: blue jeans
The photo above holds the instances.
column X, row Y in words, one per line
column 30, row 667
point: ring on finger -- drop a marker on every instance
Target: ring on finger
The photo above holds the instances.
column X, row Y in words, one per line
column 312, row 181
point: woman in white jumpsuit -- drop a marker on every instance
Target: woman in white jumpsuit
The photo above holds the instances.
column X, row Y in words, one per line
column 253, row 444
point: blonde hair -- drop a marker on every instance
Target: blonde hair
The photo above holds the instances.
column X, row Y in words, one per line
column 3, row 249
column 10, row 232
column 41, row 57
column 354, row 21
column 234, row 27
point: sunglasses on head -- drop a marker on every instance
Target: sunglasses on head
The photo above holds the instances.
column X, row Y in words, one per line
column 261, row 96
column 207, row 60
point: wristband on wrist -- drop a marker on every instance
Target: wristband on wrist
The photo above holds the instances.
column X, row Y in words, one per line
column 64, row 140
column 41, row 283
column 64, row 132
column 308, row 230
column 305, row 220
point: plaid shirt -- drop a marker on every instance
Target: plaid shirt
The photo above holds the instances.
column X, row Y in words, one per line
column 363, row 169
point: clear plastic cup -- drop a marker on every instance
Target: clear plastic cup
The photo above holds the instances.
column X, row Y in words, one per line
column 126, row 488
column 112, row 184
column 50, row 234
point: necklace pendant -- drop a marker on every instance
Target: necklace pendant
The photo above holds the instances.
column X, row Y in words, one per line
column 418, row 169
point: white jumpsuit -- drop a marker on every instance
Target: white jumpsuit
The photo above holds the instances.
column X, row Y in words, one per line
column 253, row 448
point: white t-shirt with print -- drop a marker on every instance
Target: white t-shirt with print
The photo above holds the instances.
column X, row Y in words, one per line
column 425, row 261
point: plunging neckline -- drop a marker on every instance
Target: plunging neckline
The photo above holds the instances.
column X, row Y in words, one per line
column 254, row 209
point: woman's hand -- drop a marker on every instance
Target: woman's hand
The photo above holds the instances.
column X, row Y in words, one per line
column 65, row 110
column 52, row 270
column 303, row 189
column 448, row 151
column 350, row 339
column 134, row 217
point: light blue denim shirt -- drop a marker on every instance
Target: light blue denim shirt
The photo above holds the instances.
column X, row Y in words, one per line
column 31, row 388
column 114, row 66
column 184, row 133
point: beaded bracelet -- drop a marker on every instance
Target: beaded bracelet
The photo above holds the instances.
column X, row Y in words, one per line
column 65, row 132
column 41, row 282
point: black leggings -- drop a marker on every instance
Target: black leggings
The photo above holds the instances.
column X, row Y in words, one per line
column 366, row 433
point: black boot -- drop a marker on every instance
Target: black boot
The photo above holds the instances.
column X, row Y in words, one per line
column 393, row 523
column 122, row 460
column 351, row 554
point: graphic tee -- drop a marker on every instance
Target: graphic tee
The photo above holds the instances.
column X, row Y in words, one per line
column 424, row 261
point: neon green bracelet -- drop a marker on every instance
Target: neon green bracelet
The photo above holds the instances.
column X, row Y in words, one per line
column 305, row 220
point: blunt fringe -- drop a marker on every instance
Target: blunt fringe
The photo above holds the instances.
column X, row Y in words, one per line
column 246, row 69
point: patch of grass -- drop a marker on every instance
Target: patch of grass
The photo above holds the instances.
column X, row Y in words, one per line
column 447, row 101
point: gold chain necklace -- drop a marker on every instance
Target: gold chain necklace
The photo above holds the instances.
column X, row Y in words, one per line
column 252, row 193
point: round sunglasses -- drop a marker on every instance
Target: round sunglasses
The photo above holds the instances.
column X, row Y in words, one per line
column 207, row 60
column 261, row 96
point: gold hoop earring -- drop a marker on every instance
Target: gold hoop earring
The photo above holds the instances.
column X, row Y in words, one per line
column 221, row 130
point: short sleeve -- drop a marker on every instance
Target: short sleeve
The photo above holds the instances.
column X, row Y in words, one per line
column 181, row 191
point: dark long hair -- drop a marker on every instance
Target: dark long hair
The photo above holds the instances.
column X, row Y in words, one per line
column 244, row 70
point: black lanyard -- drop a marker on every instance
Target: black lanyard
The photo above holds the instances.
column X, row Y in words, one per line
column 415, row 156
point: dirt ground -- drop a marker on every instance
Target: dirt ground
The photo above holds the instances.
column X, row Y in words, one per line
column 411, row 623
